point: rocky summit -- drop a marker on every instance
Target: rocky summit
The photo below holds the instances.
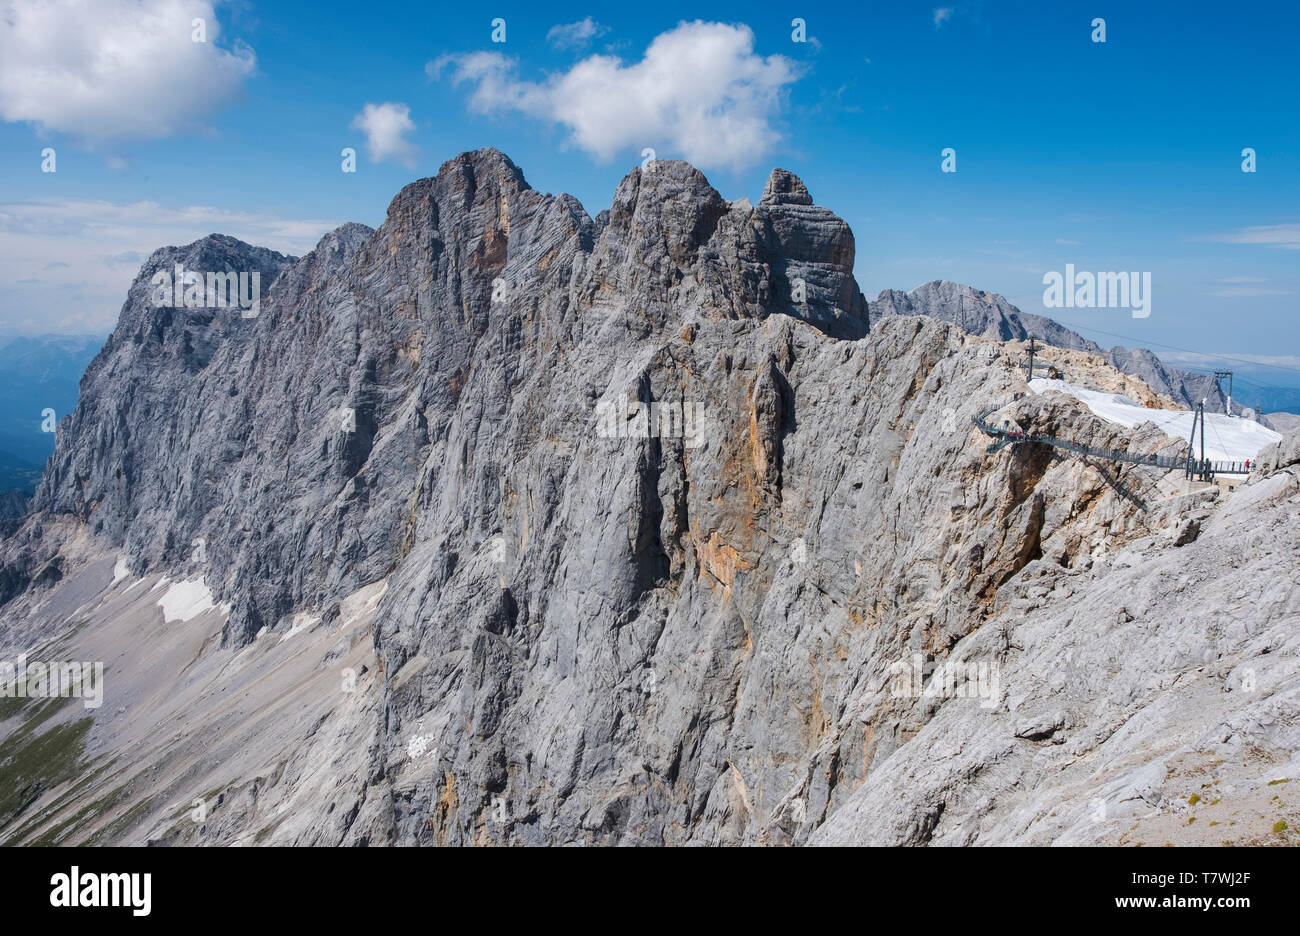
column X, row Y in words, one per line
column 503, row 524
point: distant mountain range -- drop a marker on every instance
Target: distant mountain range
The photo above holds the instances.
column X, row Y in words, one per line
column 992, row 316
column 36, row 374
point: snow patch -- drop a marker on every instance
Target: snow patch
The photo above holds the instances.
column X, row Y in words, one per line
column 121, row 571
column 361, row 603
column 301, row 621
column 186, row 600
column 421, row 745
column 1227, row 438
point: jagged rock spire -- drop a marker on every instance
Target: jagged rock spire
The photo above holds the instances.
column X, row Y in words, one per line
column 784, row 188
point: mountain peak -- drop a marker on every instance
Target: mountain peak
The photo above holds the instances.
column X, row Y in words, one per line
column 785, row 188
column 487, row 160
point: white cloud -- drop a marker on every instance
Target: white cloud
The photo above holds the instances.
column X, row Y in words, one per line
column 385, row 127
column 1286, row 236
column 942, row 15
column 1286, row 361
column 115, row 69
column 84, row 248
column 700, row 93
column 575, row 35
column 1071, row 243
column 1241, row 292
column 1247, row 286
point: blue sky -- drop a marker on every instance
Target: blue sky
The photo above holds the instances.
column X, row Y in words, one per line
column 1123, row 155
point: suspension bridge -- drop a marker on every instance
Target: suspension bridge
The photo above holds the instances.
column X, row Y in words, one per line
column 1199, row 468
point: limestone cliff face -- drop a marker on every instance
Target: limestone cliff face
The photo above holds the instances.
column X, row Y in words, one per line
column 625, row 527
column 427, row 336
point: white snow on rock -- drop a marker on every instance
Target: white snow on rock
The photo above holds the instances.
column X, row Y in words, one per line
column 361, row 603
column 186, row 600
column 1227, row 438
column 120, row 571
column 301, row 622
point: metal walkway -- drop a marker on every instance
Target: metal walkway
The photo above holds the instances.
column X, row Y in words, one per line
column 1204, row 469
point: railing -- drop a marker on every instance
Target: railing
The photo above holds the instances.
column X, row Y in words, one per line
column 1201, row 468
column 1227, row 467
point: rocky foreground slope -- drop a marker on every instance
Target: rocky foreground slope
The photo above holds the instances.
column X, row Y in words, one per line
column 405, row 560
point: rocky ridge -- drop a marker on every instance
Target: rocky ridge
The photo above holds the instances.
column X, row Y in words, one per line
column 449, row 606
column 992, row 316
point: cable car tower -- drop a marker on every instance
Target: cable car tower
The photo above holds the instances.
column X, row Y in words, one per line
column 1220, row 375
column 1198, row 469
column 1049, row 370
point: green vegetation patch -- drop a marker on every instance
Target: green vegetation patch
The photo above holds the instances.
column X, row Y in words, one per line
column 124, row 822
column 32, row 764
